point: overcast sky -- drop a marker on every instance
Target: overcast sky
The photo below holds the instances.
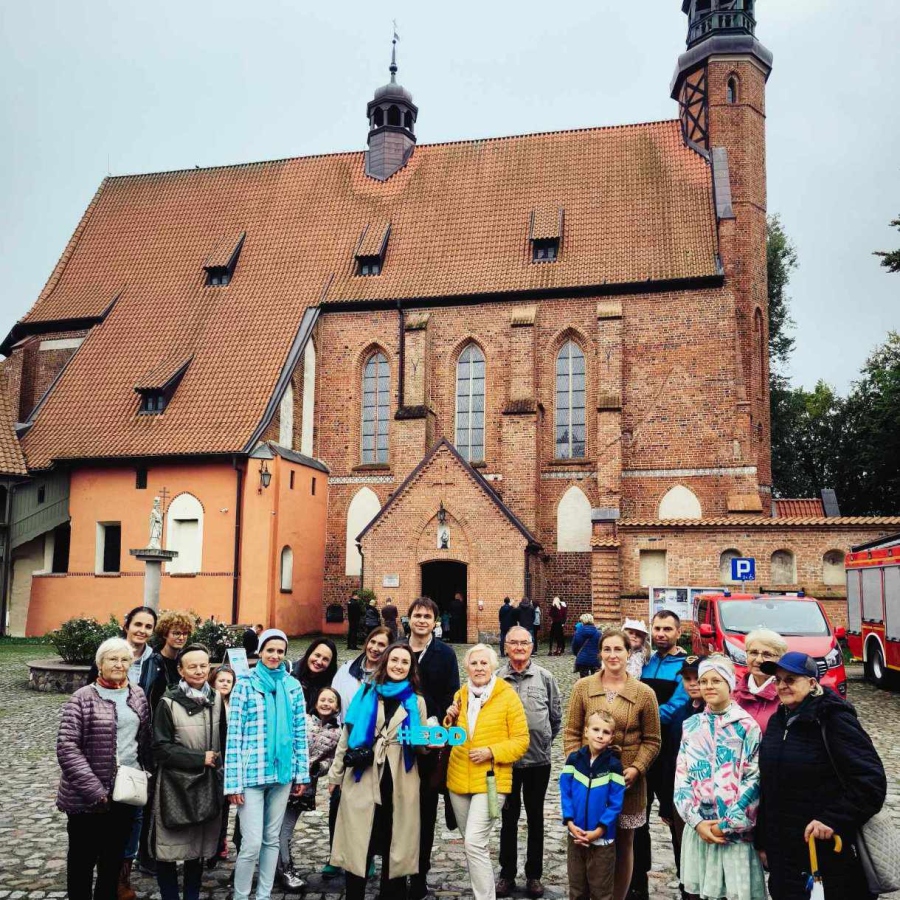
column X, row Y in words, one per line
column 90, row 87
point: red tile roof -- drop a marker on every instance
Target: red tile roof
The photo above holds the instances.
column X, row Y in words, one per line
column 12, row 462
column 638, row 208
column 546, row 222
column 763, row 522
column 804, row 506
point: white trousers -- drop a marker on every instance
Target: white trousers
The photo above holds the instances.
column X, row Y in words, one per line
column 475, row 825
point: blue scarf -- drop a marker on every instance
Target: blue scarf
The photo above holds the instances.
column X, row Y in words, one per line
column 363, row 712
column 274, row 684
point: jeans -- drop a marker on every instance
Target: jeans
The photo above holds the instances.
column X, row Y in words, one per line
column 261, row 815
column 97, row 840
column 532, row 783
column 475, row 825
column 134, row 836
column 167, row 879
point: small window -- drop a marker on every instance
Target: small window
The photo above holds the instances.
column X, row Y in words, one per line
column 109, row 546
column 140, row 478
column 313, row 486
column 62, row 538
column 545, row 249
column 369, row 265
column 217, row 276
column 408, row 120
column 41, row 494
column 291, row 479
column 153, row 402
column 393, row 117
column 287, row 569
column 731, row 91
column 379, row 117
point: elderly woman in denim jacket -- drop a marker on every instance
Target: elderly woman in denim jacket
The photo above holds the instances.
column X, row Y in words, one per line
column 103, row 725
column 265, row 760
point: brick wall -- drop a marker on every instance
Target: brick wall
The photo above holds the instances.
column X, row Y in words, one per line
column 568, row 576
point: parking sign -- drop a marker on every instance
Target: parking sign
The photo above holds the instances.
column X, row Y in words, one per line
column 743, row 569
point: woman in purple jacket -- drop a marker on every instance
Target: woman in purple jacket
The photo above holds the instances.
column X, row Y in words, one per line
column 103, row 725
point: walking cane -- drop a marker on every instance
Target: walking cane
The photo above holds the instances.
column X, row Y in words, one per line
column 815, row 885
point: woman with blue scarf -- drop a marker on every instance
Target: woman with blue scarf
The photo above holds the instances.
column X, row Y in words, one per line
column 265, row 760
column 379, row 780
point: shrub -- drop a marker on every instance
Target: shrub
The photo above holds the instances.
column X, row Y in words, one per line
column 217, row 637
column 77, row 640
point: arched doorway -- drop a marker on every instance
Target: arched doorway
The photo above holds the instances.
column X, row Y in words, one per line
column 441, row 580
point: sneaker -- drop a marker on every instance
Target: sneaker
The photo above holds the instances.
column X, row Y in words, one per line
column 534, row 888
column 291, row 881
column 505, row 887
column 330, row 871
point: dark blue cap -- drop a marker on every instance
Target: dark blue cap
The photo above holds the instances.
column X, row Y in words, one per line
column 793, row 661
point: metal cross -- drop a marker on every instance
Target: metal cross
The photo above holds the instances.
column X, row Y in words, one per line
column 163, row 497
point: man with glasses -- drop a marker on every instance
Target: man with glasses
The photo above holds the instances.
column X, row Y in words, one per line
column 539, row 693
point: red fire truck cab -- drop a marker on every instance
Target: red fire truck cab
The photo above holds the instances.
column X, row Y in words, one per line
column 873, row 607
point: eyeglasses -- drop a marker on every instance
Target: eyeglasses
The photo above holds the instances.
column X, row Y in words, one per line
column 518, row 643
column 762, row 654
column 179, row 634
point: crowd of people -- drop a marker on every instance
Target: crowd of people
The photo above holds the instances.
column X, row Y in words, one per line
column 159, row 747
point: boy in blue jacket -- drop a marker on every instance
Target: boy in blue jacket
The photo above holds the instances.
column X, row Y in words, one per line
column 592, row 790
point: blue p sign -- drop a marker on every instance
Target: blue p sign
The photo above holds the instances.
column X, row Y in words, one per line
column 743, row 569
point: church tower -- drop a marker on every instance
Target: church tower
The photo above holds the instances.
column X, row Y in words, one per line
column 720, row 86
column 392, row 120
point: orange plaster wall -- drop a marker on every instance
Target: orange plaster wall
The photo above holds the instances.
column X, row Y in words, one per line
column 109, row 495
column 300, row 526
column 275, row 517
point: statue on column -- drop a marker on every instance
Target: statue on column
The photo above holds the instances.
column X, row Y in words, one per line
column 156, row 526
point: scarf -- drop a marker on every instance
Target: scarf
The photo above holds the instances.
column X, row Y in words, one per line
column 110, row 686
column 363, row 712
column 478, row 696
column 196, row 693
column 279, row 719
column 758, row 689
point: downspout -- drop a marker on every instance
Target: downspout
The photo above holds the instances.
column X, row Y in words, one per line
column 362, row 565
column 236, row 575
column 401, row 338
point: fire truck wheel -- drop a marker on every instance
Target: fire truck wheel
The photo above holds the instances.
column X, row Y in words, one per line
column 876, row 671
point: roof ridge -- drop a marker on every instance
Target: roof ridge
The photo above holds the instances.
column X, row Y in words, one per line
column 340, row 153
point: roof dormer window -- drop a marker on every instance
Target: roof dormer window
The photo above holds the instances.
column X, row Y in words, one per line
column 545, row 233
column 158, row 387
column 545, row 250
column 372, row 248
column 221, row 263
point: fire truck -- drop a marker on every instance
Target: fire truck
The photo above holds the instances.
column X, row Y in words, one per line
column 873, row 607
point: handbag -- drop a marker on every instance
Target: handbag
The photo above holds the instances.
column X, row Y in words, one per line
column 130, row 786
column 359, row 758
column 191, row 798
column 877, row 843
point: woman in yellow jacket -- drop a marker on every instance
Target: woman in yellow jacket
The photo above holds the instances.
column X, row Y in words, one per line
column 491, row 714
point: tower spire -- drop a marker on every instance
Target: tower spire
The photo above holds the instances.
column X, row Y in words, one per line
column 393, row 66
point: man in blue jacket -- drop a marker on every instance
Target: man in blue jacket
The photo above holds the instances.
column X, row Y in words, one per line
column 662, row 673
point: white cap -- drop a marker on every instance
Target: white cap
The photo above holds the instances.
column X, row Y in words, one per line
column 636, row 625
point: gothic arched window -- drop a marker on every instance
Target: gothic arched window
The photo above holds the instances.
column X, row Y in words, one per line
column 379, row 117
column 407, row 120
column 731, row 92
column 393, row 115
column 376, row 409
column 470, row 404
column 570, row 404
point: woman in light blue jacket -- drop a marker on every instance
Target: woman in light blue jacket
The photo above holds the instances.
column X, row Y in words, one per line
column 266, row 760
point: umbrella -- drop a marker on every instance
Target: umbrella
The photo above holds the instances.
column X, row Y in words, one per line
column 815, row 885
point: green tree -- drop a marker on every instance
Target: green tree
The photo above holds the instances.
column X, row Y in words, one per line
column 781, row 261
column 890, row 259
column 868, row 456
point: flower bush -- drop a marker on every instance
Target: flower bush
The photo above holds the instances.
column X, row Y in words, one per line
column 217, row 637
column 77, row 640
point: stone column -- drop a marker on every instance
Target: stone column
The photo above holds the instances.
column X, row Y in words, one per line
column 153, row 559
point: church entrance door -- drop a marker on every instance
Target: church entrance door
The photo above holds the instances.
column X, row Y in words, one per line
column 441, row 580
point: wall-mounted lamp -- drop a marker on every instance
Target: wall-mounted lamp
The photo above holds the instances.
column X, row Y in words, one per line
column 265, row 477
column 442, row 514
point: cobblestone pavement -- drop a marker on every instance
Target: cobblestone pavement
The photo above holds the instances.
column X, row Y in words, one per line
column 32, row 831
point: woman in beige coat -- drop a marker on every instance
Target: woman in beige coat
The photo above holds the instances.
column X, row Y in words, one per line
column 633, row 706
column 379, row 779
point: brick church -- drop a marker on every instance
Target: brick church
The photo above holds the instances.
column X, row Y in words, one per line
column 531, row 365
